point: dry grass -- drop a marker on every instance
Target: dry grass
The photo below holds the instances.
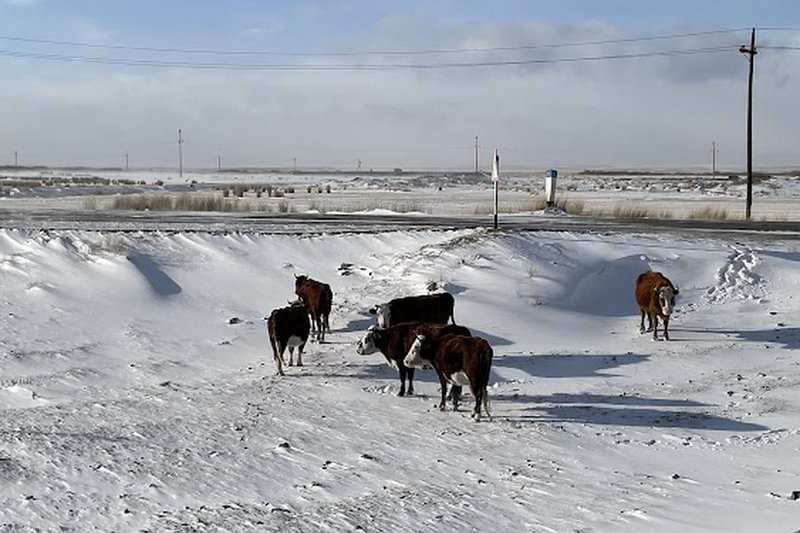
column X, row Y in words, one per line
column 709, row 213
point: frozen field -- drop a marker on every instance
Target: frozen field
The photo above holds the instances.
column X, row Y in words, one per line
column 664, row 196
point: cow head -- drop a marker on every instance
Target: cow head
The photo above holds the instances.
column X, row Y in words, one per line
column 414, row 357
column 383, row 314
column 666, row 298
column 299, row 280
column 368, row 343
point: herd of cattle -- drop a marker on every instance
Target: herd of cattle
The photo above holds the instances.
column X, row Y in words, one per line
column 415, row 332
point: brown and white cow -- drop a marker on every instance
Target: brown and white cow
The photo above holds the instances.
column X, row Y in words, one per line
column 459, row 360
column 288, row 327
column 655, row 295
column 435, row 308
column 394, row 343
column 318, row 298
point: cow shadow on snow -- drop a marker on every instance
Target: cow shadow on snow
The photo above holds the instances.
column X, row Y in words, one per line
column 566, row 366
column 621, row 410
column 786, row 337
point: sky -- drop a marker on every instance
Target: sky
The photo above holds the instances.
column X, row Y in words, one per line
column 335, row 84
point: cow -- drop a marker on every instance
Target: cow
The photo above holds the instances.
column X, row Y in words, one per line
column 317, row 297
column 459, row 360
column 655, row 295
column 394, row 343
column 435, row 308
column 288, row 327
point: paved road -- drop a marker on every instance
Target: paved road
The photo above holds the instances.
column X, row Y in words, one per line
column 298, row 223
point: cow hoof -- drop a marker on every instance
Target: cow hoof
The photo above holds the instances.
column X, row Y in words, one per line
column 401, row 393
column 410, row 392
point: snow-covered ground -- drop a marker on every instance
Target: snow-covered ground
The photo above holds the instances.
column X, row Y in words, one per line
column 132, row 399
column 680, row 195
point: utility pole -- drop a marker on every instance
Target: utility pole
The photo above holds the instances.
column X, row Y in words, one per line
column 16, row 159
column 294, row 165
column 126, row 161
column 359, row 166
column 714, row 152
column 496, row 180
column 476, row 154
column 219, row 163
column 180, row 153
column 751, row 56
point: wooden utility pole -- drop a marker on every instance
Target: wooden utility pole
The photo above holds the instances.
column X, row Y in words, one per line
column 751, row 56
column 219, row 163
column 126, row 161
column 16, row 159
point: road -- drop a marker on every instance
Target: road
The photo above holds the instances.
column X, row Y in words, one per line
column 303, row 223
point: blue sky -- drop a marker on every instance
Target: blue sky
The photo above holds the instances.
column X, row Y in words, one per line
column 650, row 111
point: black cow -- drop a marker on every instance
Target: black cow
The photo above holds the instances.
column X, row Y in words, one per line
column 394, row 343
column 458, row 360
column 435, row 308
column 288, row 327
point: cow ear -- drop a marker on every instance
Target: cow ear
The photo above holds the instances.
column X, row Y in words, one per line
column 373, row 310
column 676, row 290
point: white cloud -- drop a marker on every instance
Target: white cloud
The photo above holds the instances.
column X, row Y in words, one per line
column 639, row 112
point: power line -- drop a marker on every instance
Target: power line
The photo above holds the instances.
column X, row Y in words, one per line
column 359, row 67
column 378, row 52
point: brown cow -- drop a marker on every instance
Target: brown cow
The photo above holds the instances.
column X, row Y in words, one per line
column 458, row 360
column 317, row 297
column 394, row 343
column 655, row 295
column 436, row 308
column 288, row 327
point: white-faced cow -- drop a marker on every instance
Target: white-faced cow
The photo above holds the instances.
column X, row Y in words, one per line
column 317, row 297
column 459, row 360
column 655, row 295
column 434, row 308
column 288, row 327
column 394, row 343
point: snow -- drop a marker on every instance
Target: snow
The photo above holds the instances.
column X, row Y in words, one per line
column 132, row 401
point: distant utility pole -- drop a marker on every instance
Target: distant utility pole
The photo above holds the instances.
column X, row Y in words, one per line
column 359, row 166
column 294, row 165
column 714, row 152
column 496, row 180
column 476, row 154
column 16, row 159
column 180, row 153
column 126, row 161
column 219, row 163
column 751, row 56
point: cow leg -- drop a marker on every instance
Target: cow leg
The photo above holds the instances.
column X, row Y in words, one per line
column 320, row 328
column 666, row 325
column 291, row 355
column 478, row 393
column 403, row 371
column 655, row 326
column 455, row 395
column 279, row 359
column 641, row 325
column 443, row 384
column 300, row 354
column 410, row 375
